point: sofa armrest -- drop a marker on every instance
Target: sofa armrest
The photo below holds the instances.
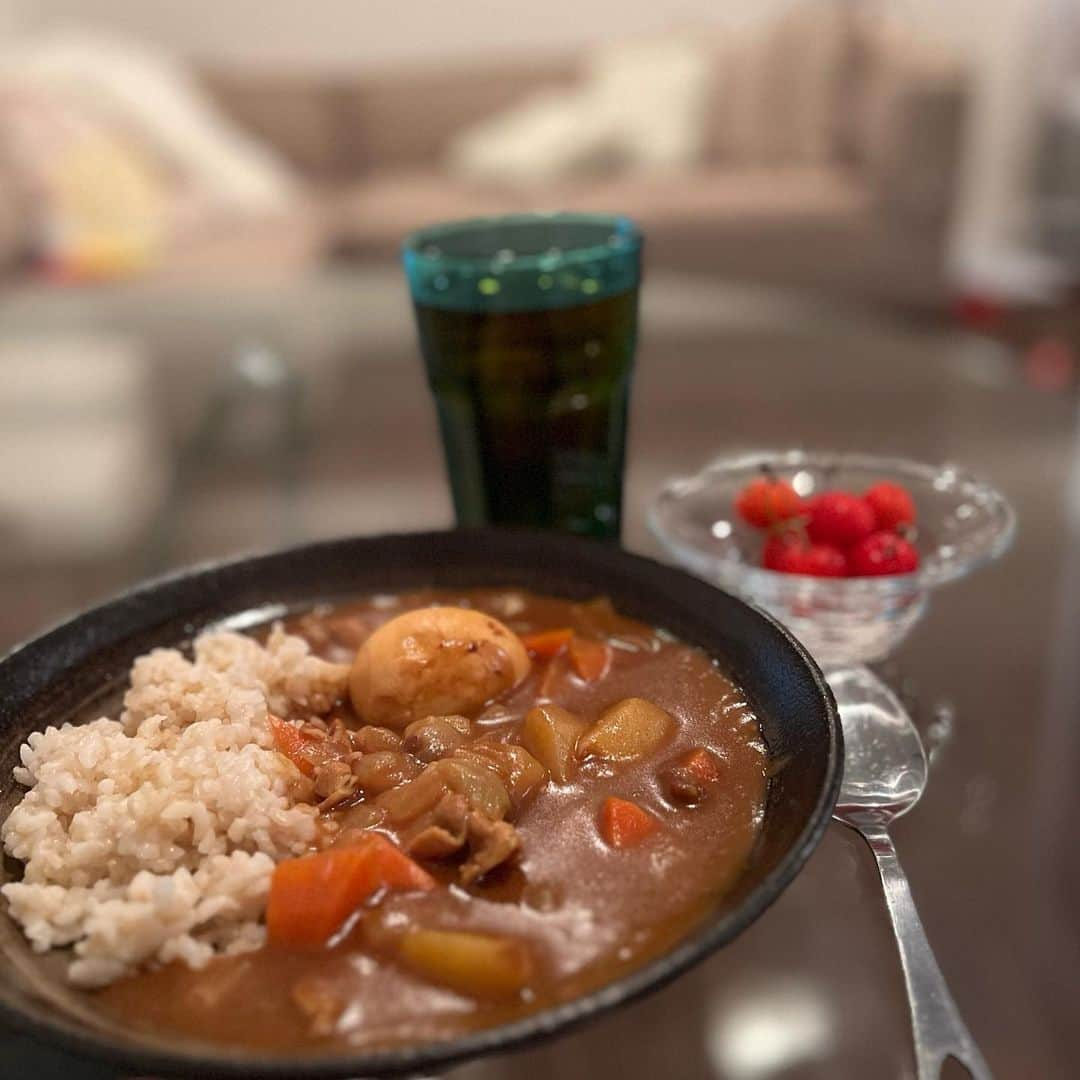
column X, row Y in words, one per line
column 914, row 175
column 909, row 111
column 11, row 246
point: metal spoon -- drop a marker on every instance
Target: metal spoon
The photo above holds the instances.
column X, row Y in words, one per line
column 884, row 775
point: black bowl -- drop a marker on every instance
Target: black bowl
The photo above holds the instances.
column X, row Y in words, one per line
column 58, row 674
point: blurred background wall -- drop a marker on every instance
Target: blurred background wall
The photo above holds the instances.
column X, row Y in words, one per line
column 996, row 37
column 344, row 33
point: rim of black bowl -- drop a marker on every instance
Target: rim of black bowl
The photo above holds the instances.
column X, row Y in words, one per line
column 127, row 613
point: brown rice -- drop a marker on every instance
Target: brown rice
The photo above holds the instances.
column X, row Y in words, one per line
column 153, row 837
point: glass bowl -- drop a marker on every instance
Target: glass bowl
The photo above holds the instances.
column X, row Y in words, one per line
column 962, row 523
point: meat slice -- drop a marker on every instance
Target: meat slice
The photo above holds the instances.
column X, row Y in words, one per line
column 443, row 832
column 335, row 783
column 456, row 803
column 337, row 732
column 518, row 770
column 478, row 785
column 491, row 843
column 681, row 785
column 330, row 776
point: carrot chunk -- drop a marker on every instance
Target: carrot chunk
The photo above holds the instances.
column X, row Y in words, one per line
column 312, row 897
column 288, row 740
column 624, row 824
column 547, row 643
column 702, row 765
column 590, row 659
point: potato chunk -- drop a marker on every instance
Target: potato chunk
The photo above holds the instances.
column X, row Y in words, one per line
column 626, row 730
column 477, row 965
column 551, row 734
column 435, row 661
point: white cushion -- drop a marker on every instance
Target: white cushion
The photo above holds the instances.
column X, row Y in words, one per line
column 641, row 105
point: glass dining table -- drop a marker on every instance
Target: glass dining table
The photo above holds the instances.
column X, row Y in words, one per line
column 192, row 423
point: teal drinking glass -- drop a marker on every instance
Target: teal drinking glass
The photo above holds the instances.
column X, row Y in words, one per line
column 528, row 325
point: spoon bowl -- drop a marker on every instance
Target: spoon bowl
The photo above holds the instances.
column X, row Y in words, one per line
column 885, row 768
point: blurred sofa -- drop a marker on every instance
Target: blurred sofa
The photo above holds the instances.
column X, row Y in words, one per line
column 824, row 153
column 829, row 161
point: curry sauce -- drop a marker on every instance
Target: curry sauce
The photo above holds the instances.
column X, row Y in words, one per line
column 565, row 891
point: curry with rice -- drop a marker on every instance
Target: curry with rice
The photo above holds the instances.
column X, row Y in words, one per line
column 513, row 799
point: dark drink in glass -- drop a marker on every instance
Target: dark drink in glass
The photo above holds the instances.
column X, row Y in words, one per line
column 527, row 326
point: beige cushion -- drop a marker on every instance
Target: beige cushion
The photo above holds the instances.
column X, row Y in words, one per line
column 653, row 93
column 553, row 135
column 139, row 94
column 892, row 64
column 908, row 131
column 640, row 105
column 400, row 120
column 777, row 85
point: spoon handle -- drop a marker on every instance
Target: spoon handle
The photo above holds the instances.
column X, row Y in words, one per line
column 935, row 1019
